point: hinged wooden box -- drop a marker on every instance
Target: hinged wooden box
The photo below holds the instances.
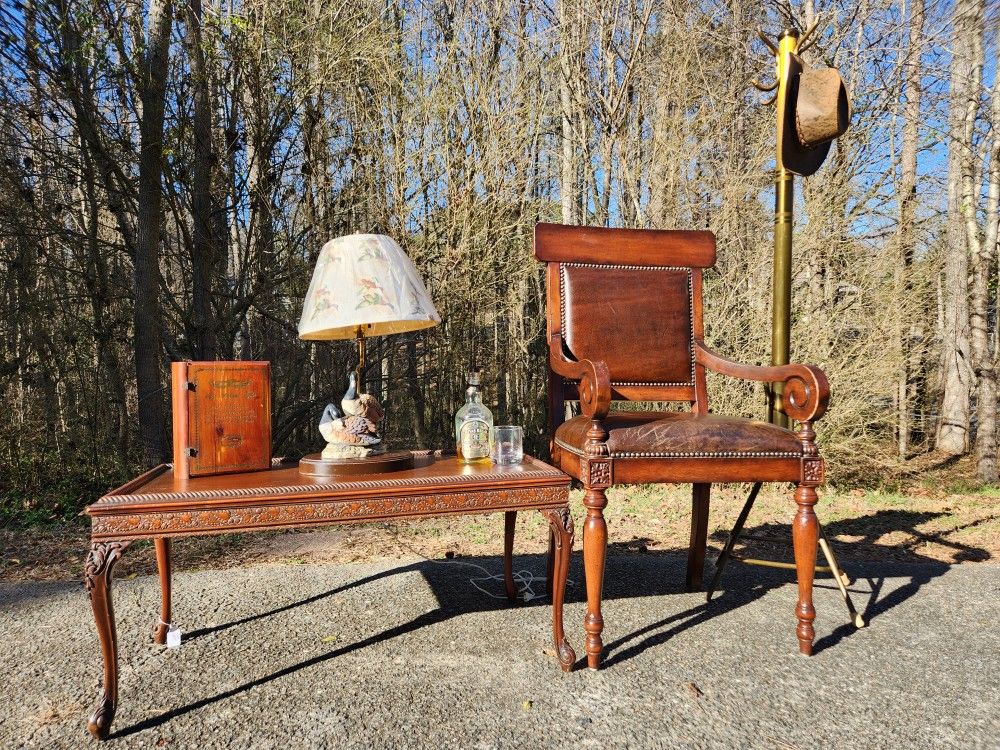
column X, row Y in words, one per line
column 222, row 417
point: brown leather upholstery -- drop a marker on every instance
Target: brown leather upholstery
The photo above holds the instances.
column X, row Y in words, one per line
column 682, row 435
column 637, row 320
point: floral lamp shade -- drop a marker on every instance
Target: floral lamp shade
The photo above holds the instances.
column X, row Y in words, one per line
column 367, row 281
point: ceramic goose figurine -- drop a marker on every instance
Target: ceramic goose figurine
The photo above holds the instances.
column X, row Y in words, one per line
column 350, row 403
column 352, row 430
column 330, row 422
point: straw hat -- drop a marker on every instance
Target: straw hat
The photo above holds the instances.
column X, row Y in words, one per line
column 815, row 111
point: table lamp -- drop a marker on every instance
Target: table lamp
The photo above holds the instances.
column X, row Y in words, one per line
column 363, row 285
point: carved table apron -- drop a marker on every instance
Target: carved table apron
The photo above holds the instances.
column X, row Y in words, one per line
column 155, row 506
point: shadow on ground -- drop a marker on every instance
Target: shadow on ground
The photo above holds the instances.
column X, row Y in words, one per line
column 633, row 571
column 865, row 533
column 652, row 573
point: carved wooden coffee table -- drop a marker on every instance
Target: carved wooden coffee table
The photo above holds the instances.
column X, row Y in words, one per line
column 154, row 507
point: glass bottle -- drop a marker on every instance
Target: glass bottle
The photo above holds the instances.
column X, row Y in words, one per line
column 473, row 425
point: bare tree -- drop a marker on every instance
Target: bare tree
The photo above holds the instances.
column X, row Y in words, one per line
column 981, row 230
column 168, row 173
column 956, row 364
column 204, row 242
column 912, row 71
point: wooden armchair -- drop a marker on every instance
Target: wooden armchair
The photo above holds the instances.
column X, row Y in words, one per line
column 625, row 324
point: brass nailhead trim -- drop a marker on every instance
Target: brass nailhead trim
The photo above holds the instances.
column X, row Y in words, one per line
column 716, row 454
column 689, row 454
column 684, row 385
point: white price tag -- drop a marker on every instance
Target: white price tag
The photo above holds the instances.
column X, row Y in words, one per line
column 173, row 637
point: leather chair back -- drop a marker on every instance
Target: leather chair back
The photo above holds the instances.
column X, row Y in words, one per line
column 630, row 298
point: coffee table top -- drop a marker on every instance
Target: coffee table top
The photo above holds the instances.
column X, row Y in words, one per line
column 157, row 489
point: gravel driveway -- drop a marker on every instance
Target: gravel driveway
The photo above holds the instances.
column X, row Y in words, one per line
column 411, row 654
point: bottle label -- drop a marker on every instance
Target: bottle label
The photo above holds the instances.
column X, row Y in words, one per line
column 475, row 439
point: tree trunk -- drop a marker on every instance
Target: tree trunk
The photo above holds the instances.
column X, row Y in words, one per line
column 984, row 324
column 906, row 236
column 147, row 315
column 956, row 370
column 203, row 241
column 568, row 182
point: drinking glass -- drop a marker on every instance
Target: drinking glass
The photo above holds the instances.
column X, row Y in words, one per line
column 508, row 444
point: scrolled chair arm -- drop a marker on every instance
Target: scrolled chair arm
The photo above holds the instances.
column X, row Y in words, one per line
column 806, row 392
column 593, row 376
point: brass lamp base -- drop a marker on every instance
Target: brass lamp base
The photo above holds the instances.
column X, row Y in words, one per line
column 314, row 465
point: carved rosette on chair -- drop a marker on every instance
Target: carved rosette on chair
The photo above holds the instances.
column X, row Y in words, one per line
column 363, row 285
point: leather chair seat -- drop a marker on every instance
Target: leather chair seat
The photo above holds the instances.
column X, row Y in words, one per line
column 638, row 434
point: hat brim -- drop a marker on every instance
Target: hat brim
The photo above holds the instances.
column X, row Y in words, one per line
column 793, row 156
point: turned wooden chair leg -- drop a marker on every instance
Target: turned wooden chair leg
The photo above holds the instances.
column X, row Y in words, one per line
column 509, row 522
column 561, row 524
column 161, row 626
column 699, row 536
column 97, row 578
column 595, row 548
column 805, row 537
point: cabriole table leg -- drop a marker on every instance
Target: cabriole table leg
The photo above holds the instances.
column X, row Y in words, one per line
column 561, row 523
column 97, row 578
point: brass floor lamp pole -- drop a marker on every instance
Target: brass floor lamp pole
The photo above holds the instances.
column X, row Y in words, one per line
column 789, row 43
column 781, row 286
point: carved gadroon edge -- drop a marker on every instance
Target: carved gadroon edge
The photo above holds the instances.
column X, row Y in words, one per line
column 320, row 488
column 160, row 523
column 101, row 559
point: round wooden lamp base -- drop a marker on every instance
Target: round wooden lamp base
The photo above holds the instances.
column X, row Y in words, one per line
column 314, row 465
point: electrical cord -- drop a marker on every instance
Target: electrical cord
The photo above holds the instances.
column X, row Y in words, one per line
column 524, row 580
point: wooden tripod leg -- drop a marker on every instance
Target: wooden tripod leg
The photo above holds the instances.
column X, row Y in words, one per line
column 161, row 626
column 734, row 535
column 839, row 578
column 561, row 524
column 97, row 578
column 700, row 494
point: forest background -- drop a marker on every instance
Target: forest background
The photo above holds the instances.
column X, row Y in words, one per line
column 169, row 171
